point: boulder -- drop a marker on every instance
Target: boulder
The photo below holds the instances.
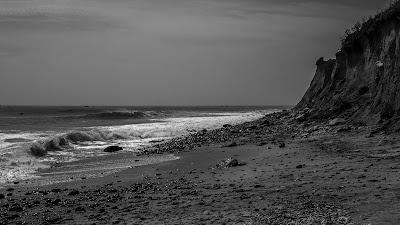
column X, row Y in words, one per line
column 73, row 192
column 230, row 162
column 266, row 123
column 113, row 148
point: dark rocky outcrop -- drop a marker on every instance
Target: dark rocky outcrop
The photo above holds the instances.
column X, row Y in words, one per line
column 362, row 83
column 113, row 148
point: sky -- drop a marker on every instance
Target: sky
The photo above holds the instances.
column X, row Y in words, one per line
column 168, row 52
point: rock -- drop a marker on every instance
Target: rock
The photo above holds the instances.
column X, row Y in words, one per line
column 73, row 192
column 265, row 123
column 230, row 162
column 373, row 180
column 282, row 145
column 344, row 129
column 16, row 208
column 113, row 148
column 252, row 127
column 206, row 212
column 226, row 126
column 336, row 121
column 379, row 64
column 56, row 190
column 43, row 192
column 80, row 209
column 112, row 190
column 231, row 144
column 299, row 166
column 300, row 118
column 262, row 143
column 2, row 196
column 56, row 201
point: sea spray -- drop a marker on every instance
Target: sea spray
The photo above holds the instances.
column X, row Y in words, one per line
column 20, row 160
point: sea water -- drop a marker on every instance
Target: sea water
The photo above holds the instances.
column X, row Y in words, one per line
column 33, row 138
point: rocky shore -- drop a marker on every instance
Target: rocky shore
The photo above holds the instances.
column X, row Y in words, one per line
column 333, row 159
column 280, row 169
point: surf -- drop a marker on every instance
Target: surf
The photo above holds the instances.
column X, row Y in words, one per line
column 23, row 153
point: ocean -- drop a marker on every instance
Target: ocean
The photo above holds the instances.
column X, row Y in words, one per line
column 34, row 138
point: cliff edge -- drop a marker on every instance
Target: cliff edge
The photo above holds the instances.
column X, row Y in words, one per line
column 362, row 83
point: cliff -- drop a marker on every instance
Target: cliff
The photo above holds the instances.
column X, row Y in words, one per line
column 362, row 83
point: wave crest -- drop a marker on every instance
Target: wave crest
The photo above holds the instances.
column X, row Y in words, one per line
column 66, row 141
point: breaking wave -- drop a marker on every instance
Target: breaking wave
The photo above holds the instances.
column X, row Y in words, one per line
column 22, row 153
column 68, row 140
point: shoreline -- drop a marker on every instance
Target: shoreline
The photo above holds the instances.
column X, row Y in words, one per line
column 129, row 136
column 288, row 172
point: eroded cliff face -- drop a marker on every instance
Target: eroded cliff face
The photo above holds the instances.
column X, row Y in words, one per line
column 362, row 83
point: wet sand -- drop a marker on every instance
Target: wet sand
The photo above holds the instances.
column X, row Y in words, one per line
column 290, row 173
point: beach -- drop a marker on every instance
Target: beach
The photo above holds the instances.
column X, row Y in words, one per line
column 287, row 172
column 200, row 112
column 37, row 138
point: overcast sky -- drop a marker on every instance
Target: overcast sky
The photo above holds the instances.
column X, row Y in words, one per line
column 167, row 52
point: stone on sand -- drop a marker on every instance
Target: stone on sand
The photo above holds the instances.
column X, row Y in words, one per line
column 230, row 162
column 113, row 148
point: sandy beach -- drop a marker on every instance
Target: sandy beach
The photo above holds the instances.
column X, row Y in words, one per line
column 200, row 112
column 288, row 172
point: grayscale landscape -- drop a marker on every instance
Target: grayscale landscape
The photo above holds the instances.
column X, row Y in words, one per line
column 200, row 112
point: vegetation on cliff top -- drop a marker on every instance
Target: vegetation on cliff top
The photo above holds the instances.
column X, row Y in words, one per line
column 368, row 26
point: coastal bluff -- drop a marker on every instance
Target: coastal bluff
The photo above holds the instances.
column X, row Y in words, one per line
column 362, row 82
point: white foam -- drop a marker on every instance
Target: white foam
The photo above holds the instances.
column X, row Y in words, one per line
column 17, row 163
column 4, row 145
